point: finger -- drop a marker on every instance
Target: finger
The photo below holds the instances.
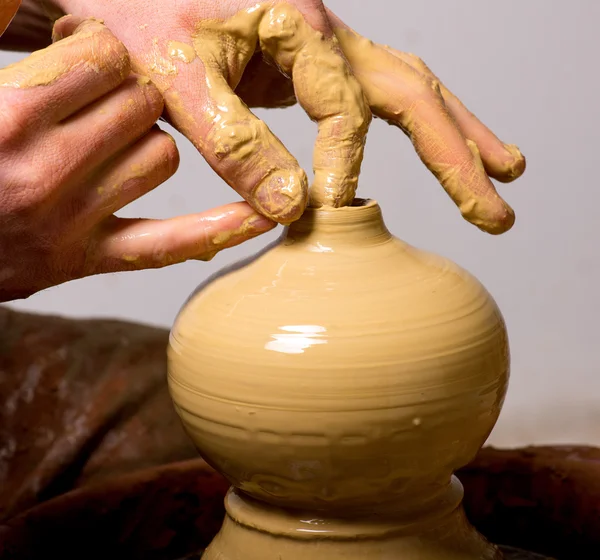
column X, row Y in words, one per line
column 242, row 149
column 69, row 74
column 133, row 244
column 402, row 96
column 104, row 128
column 503, row 162
column 453, row 160
column 234, row 142
column 141, row 168
column 330, row 95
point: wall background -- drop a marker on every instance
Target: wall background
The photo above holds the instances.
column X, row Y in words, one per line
column 528, row 69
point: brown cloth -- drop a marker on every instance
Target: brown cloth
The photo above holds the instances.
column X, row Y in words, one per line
column 82, row 400
column 94, row 462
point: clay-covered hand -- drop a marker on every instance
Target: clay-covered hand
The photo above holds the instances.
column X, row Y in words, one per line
column 458, row 149
column 78, row 141
column 199, row 52
column 196, row 52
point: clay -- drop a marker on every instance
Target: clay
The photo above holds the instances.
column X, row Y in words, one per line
column 93, row 499
column 45, row 66
column 181, row 51
column 247, row 227
column 159, row 64
column 345, row 375
column 186, row 504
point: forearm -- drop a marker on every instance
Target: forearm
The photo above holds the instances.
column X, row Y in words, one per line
column 31, row 28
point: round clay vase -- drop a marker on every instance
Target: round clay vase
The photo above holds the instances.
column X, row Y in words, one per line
column 338, row 379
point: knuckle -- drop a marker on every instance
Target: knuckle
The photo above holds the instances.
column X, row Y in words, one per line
column 165, row 155
column 280, row 26
column 360, row 116
column 15, row 123
column 61, row 159
column 37, row 187
column 237, row 143
column 424, row 89
column 21, row 202
column 154, row 98
column 24, row 183
column 110, row 55
column 430, row 87
column 143, row 101
column 171, row 153
column 434, row 85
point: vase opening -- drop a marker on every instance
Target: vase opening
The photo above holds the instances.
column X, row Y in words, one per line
column 360, row 222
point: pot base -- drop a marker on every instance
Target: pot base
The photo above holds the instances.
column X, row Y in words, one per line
column 253, row 530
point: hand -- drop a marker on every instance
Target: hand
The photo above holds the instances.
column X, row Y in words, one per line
column 458, row 149
column 78, row 142
column 196, row 52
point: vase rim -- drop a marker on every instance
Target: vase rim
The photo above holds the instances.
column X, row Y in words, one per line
column 359, row 210
column 354, row 206
column 360, row 222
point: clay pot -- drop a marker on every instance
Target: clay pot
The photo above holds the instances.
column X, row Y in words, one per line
column 337, row 380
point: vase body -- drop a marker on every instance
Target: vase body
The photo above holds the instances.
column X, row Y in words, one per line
column 338, row 379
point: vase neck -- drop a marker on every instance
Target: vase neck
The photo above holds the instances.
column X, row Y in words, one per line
column 359, row 224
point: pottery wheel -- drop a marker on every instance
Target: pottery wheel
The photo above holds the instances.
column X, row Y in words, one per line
column 509, row 554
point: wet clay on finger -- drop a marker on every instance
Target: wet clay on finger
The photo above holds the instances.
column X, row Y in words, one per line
column 236, row 139
column 411, row 97
column 46, row 66
column 338, row 379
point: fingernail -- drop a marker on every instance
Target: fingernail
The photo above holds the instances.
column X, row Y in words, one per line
column 517, row 164
column 282, row 196
column 493, row 218
column 57, row 33
column 499, row 223
column 88, row 24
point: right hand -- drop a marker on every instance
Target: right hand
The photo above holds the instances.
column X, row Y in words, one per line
column 78, row 141
column 208, row 56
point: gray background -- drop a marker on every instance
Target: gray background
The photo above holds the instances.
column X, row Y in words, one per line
column 528, row 69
